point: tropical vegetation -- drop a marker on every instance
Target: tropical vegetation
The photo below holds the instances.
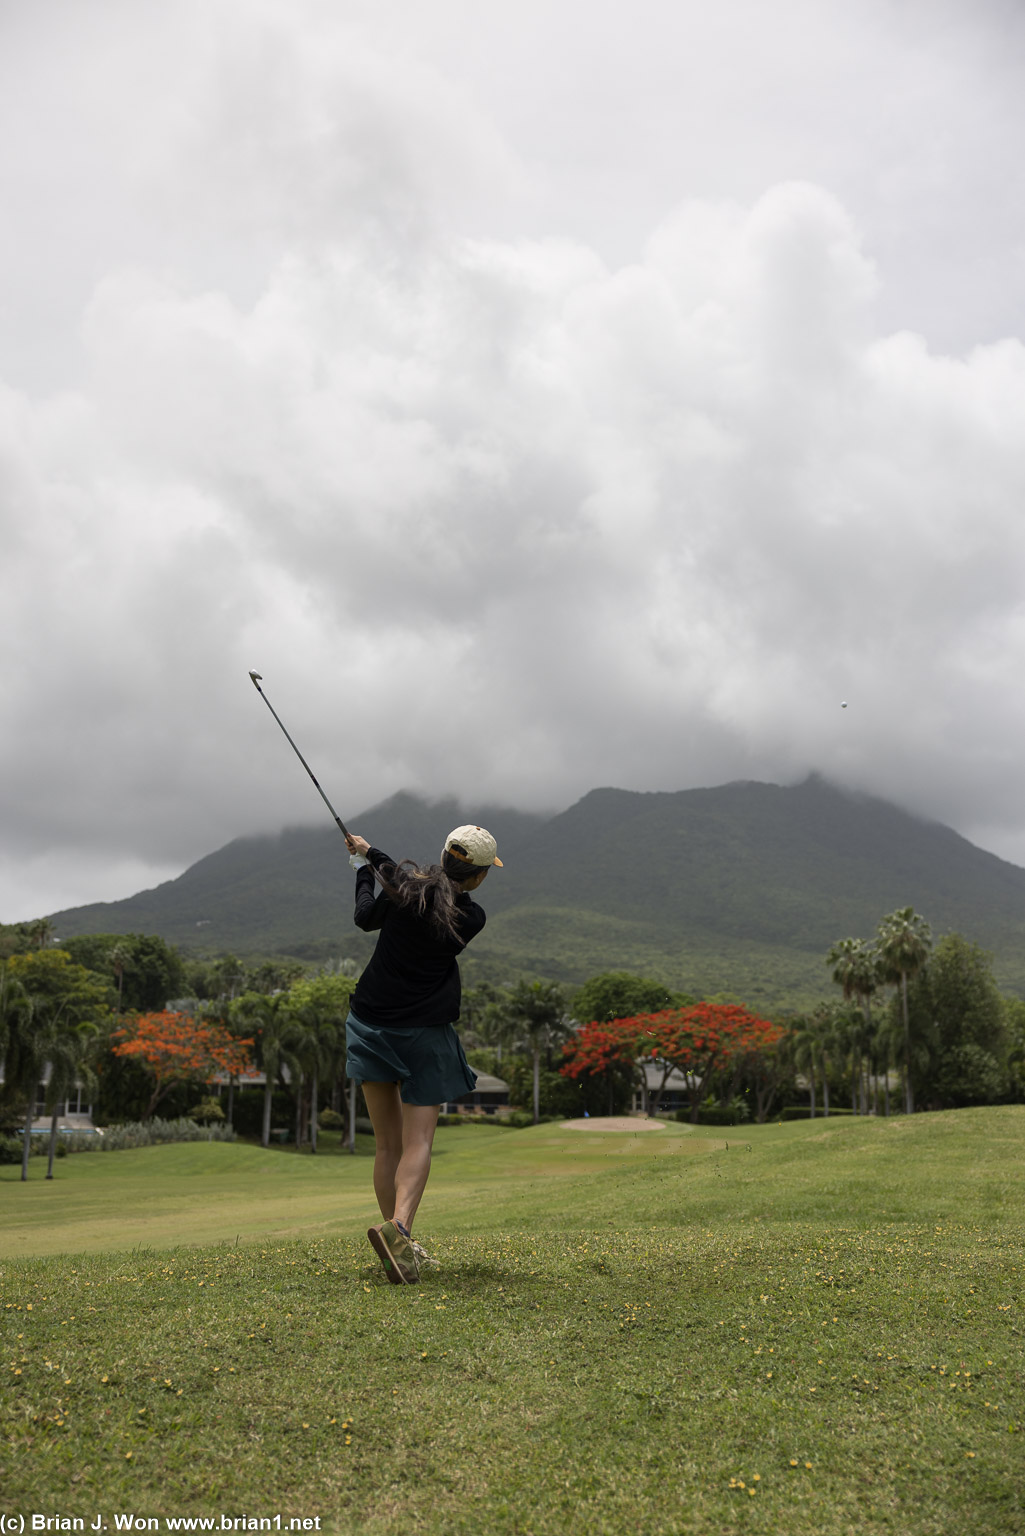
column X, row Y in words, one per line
column 51, row 1014
column 917, row 1023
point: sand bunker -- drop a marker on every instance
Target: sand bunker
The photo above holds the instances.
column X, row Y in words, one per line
column 612, row 1123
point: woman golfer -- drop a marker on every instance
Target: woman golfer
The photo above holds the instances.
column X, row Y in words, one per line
column 401, row 1045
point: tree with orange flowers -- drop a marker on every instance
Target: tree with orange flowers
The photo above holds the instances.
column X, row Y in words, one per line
column 710, row 1038
column 177, row 1048
column 625, row 1046
column 700, row 1042
column 606, row 1051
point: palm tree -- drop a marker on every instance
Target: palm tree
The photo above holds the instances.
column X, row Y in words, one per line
column 11, row 993
column 856, row 970
column 324, row 1060
column 537, row 1011
column 268, row 1018
column 485, row 1018
column 311, row 1046
column 888, row 1039
column 903, row 943
column 230, row 974
column 847, row 1030
column 828, row 1023
column 72, row 1043
column 318, row 1009
column 120, row 957
column 293, row 1043
column 53, row 997
column 806, row 1044
column 25, row 1058
column 17, row 1038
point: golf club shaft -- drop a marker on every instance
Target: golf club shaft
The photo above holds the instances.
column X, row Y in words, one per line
column 256, row 677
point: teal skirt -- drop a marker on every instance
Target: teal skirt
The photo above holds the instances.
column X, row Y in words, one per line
column 428, row 1064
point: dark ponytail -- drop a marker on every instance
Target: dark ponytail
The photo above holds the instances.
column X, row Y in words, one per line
column 429, row 892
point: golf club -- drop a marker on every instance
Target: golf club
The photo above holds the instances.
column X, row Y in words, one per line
column 257, row 678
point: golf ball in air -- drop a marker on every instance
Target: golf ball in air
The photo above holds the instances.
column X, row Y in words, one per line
column 844, row 704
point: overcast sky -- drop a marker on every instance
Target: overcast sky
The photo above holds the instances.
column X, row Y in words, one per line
column 540, row 396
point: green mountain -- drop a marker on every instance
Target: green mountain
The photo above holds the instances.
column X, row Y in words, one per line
column 287, row 894
column 741, row 888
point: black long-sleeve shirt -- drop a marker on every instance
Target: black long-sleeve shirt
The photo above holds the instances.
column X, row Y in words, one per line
column 412, row 978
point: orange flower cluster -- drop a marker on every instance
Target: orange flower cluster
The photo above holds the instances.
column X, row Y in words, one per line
column 698, row 1041
column 177, row 1048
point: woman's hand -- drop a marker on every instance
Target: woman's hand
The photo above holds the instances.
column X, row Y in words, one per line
column 357, row 844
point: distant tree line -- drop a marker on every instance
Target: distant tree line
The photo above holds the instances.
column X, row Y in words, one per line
column 928, row 1016
column 917, row 1025
column 52, row 1018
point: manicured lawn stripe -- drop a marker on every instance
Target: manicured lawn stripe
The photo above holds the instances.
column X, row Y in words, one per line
column 199, row 1192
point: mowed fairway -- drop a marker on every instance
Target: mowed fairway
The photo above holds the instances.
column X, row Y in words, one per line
column 808, row 1328
column 209, row 1192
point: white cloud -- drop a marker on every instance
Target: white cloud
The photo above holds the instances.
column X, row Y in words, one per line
column 493, row 514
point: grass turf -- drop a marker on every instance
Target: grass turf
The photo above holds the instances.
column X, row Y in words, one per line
column 811, row 1328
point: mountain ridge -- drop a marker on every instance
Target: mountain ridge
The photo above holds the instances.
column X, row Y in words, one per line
column 739, row 887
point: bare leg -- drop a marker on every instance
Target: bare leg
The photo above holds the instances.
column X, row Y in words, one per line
column 404, row 1134
column 385, row 1108
column 419, row 1122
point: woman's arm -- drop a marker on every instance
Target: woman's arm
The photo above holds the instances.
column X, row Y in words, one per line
column 370, row 909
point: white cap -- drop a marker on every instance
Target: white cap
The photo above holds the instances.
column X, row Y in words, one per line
column 473, row 844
